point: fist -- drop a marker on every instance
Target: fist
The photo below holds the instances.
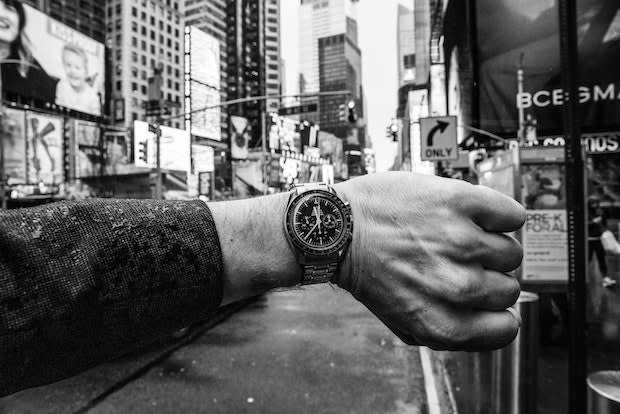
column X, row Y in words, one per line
column 430, row 258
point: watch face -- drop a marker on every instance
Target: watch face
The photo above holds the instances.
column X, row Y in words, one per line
column 319, row 222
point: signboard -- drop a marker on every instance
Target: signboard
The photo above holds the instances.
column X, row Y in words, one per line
column 520, row 40
column 240, row 135
column 174, row 145
column 203, row 159
column 545, row 246
column 15, row 146
column 438, row 138
column 332, row 148
column 68, row 66
column 87, row 148
column 300, row 109
column 44, row 135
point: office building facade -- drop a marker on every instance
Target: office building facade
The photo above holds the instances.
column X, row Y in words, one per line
column 144, row 36
column 253, row 60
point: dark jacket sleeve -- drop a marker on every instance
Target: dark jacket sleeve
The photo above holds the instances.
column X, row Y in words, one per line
column 84, row 282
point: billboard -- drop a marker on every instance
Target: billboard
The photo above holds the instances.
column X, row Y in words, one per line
column 204, row 58
column 60, row 65
column 15, row 146
column 520, row 68
column 88, row 149
column 240, row 135
column 117, row 148
column 331, row 148
column 174, row 145
column 206, row 124
column 203, row 159
column 202, row 84
column 44, row 149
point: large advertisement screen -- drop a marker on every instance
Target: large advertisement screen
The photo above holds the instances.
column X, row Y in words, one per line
column 205, row 58
column 520, row 69
column 56, row 63
column 203, row 87
column 206, row 124
column 44, row 149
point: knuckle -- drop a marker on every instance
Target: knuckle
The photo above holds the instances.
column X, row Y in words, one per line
column 465, row 289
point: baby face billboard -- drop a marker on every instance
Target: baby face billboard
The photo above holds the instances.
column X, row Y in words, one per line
column 52, row 62
column 520, row 68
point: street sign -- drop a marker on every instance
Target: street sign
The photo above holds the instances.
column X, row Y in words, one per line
column 296, row 110
column 438, row 138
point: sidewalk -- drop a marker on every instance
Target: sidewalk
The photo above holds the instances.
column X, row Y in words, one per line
column 316, row 351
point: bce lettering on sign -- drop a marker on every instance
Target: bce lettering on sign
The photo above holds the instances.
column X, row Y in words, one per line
column 438, row 138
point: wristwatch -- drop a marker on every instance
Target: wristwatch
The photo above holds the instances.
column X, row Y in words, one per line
column 319, row 226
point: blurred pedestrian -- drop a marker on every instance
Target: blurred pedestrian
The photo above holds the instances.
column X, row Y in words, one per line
column 597, row 224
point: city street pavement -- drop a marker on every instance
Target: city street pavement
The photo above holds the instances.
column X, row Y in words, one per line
column 317, row 351
column 311, row 351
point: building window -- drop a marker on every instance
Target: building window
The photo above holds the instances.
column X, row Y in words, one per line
column 134, row 26
column 119, row 86
column 134, row 12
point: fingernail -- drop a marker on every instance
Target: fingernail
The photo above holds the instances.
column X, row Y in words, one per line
column 516, row 314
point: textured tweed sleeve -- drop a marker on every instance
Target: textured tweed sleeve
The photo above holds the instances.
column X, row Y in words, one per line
column 85, row 282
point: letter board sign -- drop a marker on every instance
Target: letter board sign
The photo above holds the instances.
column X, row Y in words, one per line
column 438, row 138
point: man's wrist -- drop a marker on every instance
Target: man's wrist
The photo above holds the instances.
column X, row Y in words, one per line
column 257, row 257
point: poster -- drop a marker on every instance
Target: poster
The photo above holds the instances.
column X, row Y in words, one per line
column 88, row 149
column 240, row 135
column 44, row 149
column 543, row 186
column 15, row 146
column 522, row 38
column 545, row 244
column 65, row 66
column 331, row 148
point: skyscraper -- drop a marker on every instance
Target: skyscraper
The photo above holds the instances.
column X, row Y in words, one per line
column 330, row 60
column 319, row 19
column 210, row 17
column 253, row 56
column 144, row 36
column 406, row 45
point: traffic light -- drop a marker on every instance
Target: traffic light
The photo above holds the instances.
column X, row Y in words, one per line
column 352, row 113
column 391, row 131
column 342, row 113
column 143, row 152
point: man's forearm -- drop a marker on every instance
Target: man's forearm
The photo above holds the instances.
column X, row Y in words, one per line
column 257, row 256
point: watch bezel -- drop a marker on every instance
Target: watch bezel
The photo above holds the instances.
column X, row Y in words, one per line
column 301, row 246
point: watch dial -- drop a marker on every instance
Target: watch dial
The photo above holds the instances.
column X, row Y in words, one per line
column 318, row 222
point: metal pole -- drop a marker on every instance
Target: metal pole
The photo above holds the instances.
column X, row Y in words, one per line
column 577, row 264
column 158, row 183
column 264, row 152
column 255, row 98
column 3, row 201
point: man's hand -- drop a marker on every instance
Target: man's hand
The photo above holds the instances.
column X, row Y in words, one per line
column 429, row 258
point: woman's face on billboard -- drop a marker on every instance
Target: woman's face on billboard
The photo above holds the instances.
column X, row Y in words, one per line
column 9, row 23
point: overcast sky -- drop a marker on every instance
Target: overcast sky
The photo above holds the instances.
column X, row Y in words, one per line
column 377, row 38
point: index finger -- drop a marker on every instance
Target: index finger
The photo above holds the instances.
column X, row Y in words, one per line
column 494, row 211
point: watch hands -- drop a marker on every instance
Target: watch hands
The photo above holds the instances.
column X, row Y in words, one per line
column 311, row 230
